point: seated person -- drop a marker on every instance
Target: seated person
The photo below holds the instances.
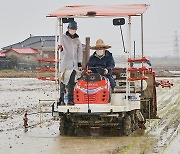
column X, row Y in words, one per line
column 102, row 59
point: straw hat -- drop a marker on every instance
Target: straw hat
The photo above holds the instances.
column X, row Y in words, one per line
column 100, row 45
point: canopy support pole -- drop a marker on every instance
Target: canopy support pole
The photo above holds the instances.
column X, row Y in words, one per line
column 142, row 36
column 56, row 62
column 128, row 53
column 59, row 31
column 142, row 49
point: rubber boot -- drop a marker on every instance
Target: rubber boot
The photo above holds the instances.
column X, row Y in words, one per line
column 61, row 99
column 70, row 100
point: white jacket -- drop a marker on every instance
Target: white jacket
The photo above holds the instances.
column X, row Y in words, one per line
column 71, row 55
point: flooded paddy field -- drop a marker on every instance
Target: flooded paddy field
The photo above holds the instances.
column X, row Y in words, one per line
column 20, row 95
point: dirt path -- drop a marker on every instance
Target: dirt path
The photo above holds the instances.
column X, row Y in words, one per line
column 21, row 95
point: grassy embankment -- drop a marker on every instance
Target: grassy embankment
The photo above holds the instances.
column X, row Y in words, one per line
column 23, row 74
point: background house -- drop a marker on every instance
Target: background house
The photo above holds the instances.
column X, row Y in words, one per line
column 6, row 63
column 2, row 55
column 44, row 44
column 24, row 58
column 27, row 55
column 22, row 55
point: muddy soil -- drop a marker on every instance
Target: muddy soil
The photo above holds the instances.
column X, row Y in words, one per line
column 20, row 95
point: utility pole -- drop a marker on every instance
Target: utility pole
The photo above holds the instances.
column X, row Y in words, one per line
column 176, row 46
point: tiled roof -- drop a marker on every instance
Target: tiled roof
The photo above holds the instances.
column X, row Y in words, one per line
column 34, row 42
column 2, row 54
column 24, row 51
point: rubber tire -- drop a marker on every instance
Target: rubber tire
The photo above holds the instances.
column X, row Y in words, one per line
column 71, row 130
column 127, row 125
column 62, row 126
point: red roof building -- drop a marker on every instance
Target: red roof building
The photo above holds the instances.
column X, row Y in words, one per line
column 23, row 51
column 23, row 54
column 2, row 54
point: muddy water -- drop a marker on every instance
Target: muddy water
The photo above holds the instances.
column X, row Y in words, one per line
column 42, row 136
column 166, row 129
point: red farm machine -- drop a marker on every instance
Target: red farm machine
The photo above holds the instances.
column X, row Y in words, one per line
column 133, row 99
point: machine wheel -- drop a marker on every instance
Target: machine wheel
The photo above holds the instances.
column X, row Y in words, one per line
column 134, row 121
column 66, row 127
column 82, row 131
column 62, row 125
column 127, row 125
column 71, row 129
column 78, row 131
column 105, row 131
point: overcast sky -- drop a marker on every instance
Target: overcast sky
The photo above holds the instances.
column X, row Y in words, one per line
column 20, row 18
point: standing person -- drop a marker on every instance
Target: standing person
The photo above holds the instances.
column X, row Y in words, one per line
column 71, row 62
column 102, row 59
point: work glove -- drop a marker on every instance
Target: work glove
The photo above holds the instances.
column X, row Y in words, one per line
column 60, row 48
column 79, row 66
column 105, row 71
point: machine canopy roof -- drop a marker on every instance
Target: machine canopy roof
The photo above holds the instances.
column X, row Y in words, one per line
column 97, row 10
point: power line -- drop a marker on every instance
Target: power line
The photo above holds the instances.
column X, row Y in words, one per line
column 176, row 45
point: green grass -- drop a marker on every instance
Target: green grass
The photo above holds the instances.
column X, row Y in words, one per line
column 130, row 146
column 7, row 71
column 147, row 146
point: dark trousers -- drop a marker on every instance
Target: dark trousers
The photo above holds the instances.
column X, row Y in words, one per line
column 111, row 80
column 69, row 89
